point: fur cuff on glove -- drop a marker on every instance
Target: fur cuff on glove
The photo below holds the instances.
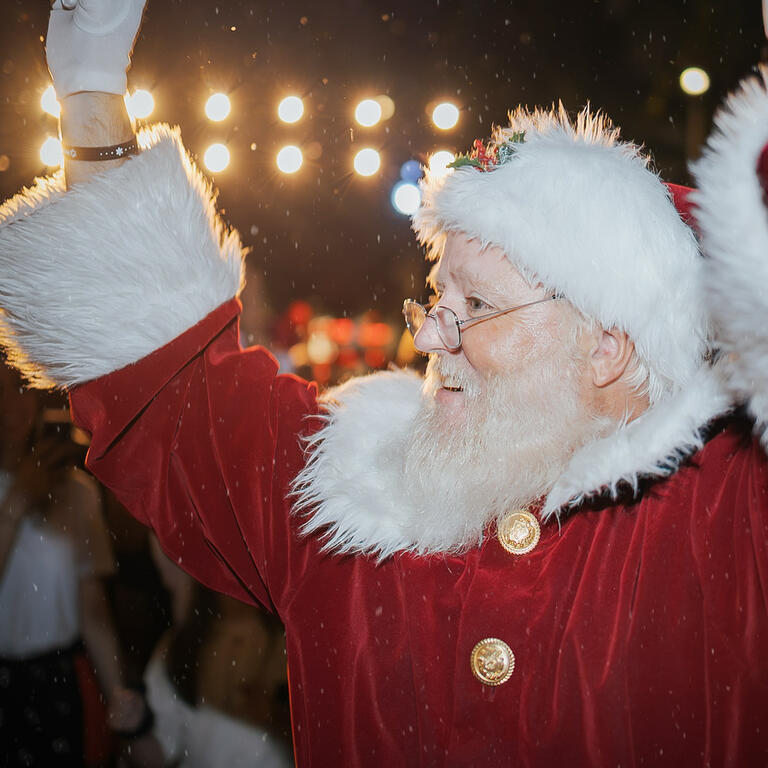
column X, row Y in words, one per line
column 98, row 277
column 733, row 221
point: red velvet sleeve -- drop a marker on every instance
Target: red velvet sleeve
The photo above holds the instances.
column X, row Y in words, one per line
column 200, row 440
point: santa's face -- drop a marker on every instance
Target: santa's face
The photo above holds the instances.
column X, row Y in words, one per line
column 473, row 281
column 501, row 417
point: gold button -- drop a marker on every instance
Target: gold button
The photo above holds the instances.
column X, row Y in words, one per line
column 492, row 661
column 519, row 532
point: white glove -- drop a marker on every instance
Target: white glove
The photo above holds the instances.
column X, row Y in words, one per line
column 89, row 44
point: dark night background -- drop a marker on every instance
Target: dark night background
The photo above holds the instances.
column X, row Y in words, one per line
column 326, row 234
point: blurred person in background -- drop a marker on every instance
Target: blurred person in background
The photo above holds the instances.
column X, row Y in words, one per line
column 216, row 683
column 54, row 556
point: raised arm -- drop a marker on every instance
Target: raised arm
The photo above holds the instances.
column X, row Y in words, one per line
column 123, row 291
column 88, row 48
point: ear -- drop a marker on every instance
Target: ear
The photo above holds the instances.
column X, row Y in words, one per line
column 610, row 356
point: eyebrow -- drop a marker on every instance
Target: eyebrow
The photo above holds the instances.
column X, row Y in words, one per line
column 469, row 277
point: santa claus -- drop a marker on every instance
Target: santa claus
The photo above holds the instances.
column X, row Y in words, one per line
column 551, row 549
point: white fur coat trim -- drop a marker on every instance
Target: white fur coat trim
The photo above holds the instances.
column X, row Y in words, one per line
column 98, row 277
column 352, row 492
column 734, row 228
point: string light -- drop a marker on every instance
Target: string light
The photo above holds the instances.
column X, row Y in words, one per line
column 406, row 197
column 216, row 158
column 140, row 105
column 694, row 81
column 368, row 113
column 290, row 109
column 217, row 107
column 445, row 116
column 289, row 159
column 367, row 162
column 49, row 103
column 438, row 163
column 51, row 153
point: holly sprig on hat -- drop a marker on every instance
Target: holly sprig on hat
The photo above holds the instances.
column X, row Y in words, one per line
column 488, row 157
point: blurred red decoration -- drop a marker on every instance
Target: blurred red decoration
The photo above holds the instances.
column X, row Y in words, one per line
column 375, row 358
column 299, row 314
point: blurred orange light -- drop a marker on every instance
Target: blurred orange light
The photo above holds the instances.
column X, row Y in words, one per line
column 375, row 335
column 321, row 373
column 342, row 330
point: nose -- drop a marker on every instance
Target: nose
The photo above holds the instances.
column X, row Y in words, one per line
column 427, row 339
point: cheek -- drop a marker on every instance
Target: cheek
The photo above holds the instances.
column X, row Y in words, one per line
column 492, row 351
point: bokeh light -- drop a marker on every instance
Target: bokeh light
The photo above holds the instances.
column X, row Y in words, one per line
column 49, row 103
column 438, row 163
column 140, row 104
column 406, row 197
column 694, row 81
column 445, row 116
column 367, row 162
column 289, row 159
column 51, row 153
column 218, row 107
column 290, row 109
column 321, row 350
column 368, row 112
column 387, row 106
column 410, row 170
column 216, row 158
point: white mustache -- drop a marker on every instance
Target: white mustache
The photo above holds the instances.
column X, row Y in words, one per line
column 446, row 371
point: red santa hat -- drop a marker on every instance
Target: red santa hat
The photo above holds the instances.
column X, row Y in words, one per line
column 580, row 211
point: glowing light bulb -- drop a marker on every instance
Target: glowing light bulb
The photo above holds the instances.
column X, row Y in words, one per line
column 368, row 112
column 694, row 81
column 367, row 162
column 290, row 109
column 438, row 163
column 51, row 153
column 406, row 198
column 140, row 104
column 289, row 159
column 216, row 158
column 445, row 116
column 49, row 103
column 217, row 107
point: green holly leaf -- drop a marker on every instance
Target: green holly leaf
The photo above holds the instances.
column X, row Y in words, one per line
column 464, row 160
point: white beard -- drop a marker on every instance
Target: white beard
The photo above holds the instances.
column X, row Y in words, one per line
column 516, row 438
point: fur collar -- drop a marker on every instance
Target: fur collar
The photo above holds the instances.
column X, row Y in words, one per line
column 351, row 489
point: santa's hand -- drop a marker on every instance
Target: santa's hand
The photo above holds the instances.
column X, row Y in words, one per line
column 89, row 44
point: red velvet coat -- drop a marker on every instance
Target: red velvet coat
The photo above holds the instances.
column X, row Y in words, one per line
column 640, row 632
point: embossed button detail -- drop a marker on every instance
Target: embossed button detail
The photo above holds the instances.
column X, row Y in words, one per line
column 519, row 532
column 492, row 661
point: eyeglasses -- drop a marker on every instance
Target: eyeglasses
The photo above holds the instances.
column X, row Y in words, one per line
column 449, row 327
